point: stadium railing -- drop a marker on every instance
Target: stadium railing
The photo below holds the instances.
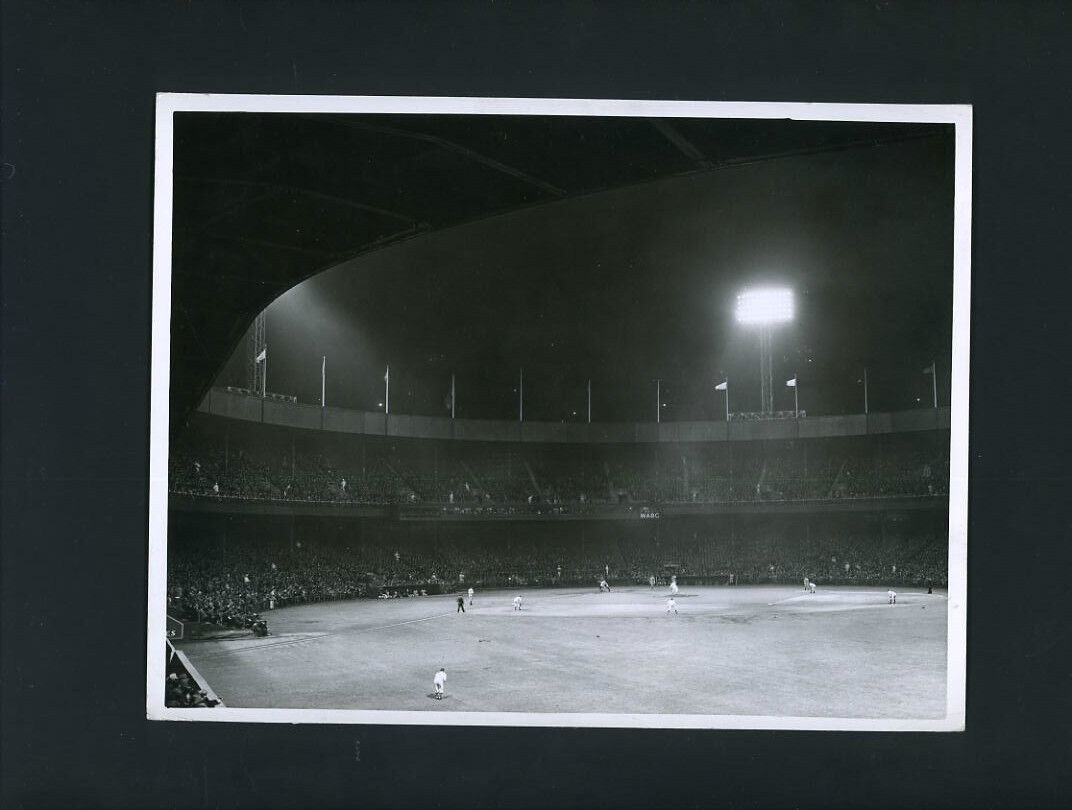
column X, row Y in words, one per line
column 176, row 629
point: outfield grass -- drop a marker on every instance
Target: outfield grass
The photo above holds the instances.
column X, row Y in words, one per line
column 764, row 650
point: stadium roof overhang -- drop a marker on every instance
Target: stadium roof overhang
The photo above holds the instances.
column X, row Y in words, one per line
column 264, row 201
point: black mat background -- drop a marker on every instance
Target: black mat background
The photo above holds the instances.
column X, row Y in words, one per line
column 78, row 85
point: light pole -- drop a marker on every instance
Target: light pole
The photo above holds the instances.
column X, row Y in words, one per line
column 765, row 307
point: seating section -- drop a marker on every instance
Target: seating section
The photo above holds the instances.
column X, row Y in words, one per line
column 220, row 460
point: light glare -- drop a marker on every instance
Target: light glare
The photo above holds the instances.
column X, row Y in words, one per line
column 765, row 306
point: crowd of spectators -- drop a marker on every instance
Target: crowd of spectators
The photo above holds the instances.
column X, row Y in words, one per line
column 232, row 585
column 473, row 479
column 181, row 691
column 236, row 583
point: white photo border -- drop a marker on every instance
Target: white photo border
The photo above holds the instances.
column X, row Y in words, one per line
column 167, row 104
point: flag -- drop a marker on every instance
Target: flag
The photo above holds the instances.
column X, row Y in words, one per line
column 929, row 369
column 723, row 386
column 262, row 356
column 791, row 383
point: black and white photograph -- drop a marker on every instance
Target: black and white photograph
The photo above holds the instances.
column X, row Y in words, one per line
column 482, row 411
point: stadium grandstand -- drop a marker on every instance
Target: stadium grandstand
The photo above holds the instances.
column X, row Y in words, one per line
column 268, row 515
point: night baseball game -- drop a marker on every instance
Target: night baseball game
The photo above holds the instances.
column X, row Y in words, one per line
column 555, row 415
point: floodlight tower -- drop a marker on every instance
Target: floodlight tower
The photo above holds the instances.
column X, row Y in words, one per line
column 765, row 308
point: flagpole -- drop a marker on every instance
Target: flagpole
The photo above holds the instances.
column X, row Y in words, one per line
column 658, row 401
column 521, row 395
column 589, row 400
column 451, row 396
column 934, row 381
column 323, row 378
column 264, row 377
column 865, row 391
column 796, row 396
column 387, row 391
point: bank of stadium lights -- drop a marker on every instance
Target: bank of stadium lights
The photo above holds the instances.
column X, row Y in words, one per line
column 765, row 307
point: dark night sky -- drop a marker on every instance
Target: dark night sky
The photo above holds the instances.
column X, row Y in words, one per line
column 639, row 283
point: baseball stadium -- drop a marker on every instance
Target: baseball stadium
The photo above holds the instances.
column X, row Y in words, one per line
column 544, row 414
